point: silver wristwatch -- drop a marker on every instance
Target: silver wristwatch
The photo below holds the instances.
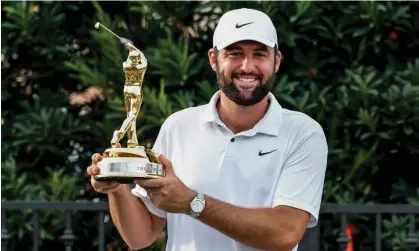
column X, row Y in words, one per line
column 197, row 205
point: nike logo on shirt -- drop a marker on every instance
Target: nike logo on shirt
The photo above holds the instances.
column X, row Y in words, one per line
column 261, row 153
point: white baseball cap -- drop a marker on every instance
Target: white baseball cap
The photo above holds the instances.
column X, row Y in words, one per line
column 244, row 24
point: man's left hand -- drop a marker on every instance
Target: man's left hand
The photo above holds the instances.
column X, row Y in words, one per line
column 168, row 193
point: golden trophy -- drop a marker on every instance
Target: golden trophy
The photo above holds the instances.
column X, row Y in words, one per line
column 124, row 164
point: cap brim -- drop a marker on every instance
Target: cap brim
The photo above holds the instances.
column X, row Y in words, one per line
column 259, row 39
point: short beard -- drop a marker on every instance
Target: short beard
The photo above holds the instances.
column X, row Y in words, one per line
column 230, row 90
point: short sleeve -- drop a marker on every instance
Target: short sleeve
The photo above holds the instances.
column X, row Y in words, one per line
column 160, row 147
column 140, row 193
column 301, row 181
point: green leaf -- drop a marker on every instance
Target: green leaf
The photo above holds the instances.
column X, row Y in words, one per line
column 361, row 31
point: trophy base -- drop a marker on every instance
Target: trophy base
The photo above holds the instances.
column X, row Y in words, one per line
column 124, row 165
column 123, row 178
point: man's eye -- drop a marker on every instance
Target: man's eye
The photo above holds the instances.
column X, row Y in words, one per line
column 234, row 54
column 260, row 55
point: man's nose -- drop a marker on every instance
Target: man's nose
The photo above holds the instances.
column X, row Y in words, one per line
column 248, row 65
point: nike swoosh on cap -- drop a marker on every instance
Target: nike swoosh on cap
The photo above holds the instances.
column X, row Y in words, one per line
column 238, row 26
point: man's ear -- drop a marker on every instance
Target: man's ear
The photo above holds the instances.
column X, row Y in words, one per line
column 212, row 59
column 278, row 61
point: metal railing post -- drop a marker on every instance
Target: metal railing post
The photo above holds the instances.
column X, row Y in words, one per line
column 343, row 238
column 4, row 233
column 412, row 237
column 68, row 236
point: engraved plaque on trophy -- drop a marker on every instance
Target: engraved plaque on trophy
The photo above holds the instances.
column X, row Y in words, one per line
column 124, row 164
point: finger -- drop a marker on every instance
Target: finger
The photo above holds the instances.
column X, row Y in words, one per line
column 151, row 183
column 103, row 185
column 89, row 170
column 168, row 167
column 93, row 170
column 107, row 189
column 106, row 184
column 96, row 158
column 118, row 145
column 99, row 185
column 152, row 190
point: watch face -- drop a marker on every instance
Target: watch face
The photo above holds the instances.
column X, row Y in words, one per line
column 197, row 206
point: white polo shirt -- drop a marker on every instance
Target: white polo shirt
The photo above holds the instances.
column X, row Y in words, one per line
column 281, row 161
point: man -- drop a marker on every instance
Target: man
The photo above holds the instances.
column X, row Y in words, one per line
column 242, row 172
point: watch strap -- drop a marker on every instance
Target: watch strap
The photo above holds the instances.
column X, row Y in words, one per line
column 200, row 196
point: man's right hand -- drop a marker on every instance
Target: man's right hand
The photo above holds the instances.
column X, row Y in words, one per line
column 100, row 186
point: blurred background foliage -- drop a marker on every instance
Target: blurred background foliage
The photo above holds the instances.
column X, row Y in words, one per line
column 352, row 66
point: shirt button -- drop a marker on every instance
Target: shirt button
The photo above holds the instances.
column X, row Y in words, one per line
column 232, row 140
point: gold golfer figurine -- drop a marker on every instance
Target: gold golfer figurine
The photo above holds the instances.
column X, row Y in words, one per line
column 134, row 69
column 126, row 164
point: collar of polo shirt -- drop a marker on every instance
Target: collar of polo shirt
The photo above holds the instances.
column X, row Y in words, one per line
column 269, row 124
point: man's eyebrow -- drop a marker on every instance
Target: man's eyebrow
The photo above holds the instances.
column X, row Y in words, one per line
column 264, row 48
column 232, row 48
column 237, row 48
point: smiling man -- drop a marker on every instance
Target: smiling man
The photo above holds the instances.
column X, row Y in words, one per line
column 242, row 173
